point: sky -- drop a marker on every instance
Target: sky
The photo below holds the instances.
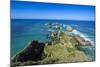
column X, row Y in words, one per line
column 36, row 10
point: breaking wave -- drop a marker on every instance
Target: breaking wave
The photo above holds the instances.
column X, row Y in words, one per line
column 76, row 32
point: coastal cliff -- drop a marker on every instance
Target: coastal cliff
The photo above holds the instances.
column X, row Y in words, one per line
column 32, row 52
column 36, row 53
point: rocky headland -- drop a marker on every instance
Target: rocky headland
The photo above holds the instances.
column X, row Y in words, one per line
column 65, row 51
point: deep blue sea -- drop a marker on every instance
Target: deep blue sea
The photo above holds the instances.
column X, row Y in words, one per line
column 26, row 30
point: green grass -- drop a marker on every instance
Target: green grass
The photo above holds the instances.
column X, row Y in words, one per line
column 60, row 54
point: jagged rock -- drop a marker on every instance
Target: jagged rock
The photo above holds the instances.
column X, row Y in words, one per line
column 32, row 52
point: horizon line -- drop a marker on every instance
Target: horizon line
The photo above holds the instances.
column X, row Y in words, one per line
column 48, row 19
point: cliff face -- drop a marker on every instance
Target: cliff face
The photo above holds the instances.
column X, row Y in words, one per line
column 32, row 52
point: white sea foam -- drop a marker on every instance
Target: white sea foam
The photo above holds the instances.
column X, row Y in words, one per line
column 76, row 32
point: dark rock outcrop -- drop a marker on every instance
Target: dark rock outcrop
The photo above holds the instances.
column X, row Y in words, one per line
column 33, row 52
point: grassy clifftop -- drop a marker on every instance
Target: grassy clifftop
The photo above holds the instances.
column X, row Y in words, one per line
column 60, row 54
column 64, row 51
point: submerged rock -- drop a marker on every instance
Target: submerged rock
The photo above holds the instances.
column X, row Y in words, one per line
column 32, row 52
